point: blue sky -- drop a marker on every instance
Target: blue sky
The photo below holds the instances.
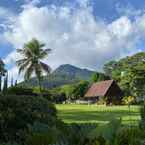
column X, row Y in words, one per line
column 86, row 33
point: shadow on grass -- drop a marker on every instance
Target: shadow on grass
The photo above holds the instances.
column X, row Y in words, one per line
column 98, row 116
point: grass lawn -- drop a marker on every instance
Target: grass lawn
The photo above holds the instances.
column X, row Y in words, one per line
column 97, row 114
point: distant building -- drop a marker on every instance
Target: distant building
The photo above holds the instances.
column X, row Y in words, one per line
column 108, row 89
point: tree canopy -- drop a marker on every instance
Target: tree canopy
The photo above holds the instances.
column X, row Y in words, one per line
column 129, row 72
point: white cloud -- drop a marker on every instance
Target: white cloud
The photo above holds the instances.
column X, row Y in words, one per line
column 11, row 58
column 30, row 3
column 83, row 3
column 6, row 18
column 121, row 28
column 75, row 37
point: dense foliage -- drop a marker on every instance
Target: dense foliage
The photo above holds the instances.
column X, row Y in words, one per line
column 129, row 72
column 92, row 134
column 75, row 91
column 96, row 77
column 142, row 114
column 17, row 113
column 19, row 90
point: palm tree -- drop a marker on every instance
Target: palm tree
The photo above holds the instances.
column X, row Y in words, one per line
column 31, row 63
column 2, row 72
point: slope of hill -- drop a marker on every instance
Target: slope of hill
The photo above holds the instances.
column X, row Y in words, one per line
column 73, row 72
column 64, row 74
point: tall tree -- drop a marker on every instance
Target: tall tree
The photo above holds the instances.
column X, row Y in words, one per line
column 2, row 72
column 31, row 63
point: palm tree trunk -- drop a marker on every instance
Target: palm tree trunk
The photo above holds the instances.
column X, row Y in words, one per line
column 40, row 86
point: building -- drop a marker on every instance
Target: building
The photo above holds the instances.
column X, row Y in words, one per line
column 108, row 90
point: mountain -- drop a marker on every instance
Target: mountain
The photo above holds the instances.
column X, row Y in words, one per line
column 64, row 74
column 73, row 72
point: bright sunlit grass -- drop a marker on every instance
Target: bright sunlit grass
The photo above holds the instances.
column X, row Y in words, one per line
column 98, row 114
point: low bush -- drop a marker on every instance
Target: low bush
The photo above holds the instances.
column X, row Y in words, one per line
column 129, row 100
column 130, row 136
column 42, row 134
column 142, row 114
column 108, row 134
column 19, row 90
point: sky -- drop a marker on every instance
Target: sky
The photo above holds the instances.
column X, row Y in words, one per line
column 85, row 33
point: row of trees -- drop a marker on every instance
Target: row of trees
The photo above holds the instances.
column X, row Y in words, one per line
column 31, row 64
column 128, row 72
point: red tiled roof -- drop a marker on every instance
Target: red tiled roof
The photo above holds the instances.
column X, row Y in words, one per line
column 99, row 88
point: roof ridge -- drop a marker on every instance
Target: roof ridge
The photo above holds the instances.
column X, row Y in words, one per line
column 109, row 86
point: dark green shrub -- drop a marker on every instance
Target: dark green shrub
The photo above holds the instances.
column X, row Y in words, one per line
column 18, row 90
column 19, row 112
column 130, row 136
column 77, row 134
column 9, row 143
column 142, row 114
column 42, row 134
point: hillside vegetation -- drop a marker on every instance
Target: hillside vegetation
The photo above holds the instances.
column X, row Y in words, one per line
column 64, row 74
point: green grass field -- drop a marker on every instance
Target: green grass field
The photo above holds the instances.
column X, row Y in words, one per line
column 97, row 114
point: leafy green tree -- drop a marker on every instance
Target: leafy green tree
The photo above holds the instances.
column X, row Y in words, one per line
column 31, row 62
column 2, row 72
column 129, row 73
column 80, row 89
column 137, row 83
column 68, row 90
column 75, row 91
column 109, row 67
column 133, row 81
column 94, row 77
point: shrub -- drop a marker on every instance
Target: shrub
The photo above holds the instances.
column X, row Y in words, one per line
column 42, row 134
column 142, row 114
column 18, row 112
column 130, row 136
column 18, row 90
column 129, row 100
column 78, row 134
